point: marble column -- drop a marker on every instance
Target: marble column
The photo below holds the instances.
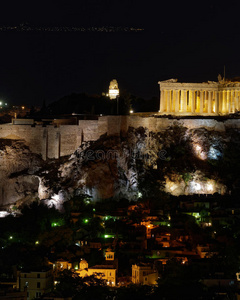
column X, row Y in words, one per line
column 161, row 101
column 228, row 106
column 184, row 106
column 180, row 100
column 217, row 102
column 224, row 102
column 232, row 102
column 192, row 100
column 201, row 102
column 197, row 101
column 237, row 100
column 204, row 97
column 214, row 101
column 168, row 101
column 209, row 102
column 165, row 100
column 220, row 101
column 176, row 99
column 172, row 103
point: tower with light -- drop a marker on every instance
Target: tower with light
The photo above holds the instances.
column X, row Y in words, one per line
column 113, row 92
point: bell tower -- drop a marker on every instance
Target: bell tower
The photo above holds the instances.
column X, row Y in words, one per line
column 109, row 254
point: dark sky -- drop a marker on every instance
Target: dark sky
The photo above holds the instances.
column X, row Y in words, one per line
column 188, row 40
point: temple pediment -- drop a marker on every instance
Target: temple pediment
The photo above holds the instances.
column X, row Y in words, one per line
column 172, row 80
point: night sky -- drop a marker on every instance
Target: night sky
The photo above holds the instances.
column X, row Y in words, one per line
column 191, row 41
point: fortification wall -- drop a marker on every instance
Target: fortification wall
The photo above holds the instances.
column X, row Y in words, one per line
column 49, row 141
column 54, row 142
column 31, row 135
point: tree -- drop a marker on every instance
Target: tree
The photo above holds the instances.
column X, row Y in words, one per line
column 180, row 282
column 89, row 287
column 134, row 292
column 58, row 236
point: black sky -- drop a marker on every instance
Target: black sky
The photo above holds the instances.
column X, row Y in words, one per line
column 188, row 40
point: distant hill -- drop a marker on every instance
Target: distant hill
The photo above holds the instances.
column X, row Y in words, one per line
column 96, row 104
column 81, row 104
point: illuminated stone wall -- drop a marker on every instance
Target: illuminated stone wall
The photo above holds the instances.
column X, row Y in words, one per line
column 54, row 142
column 207, row 98
column 49, row 141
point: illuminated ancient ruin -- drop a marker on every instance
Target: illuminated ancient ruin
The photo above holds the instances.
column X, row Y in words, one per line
column 207, row 98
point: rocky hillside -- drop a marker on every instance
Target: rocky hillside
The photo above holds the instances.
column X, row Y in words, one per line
column 17, row 168
column 139, row 163
column 178, row 161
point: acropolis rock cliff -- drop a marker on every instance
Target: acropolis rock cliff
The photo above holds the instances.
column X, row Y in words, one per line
column 177, row 156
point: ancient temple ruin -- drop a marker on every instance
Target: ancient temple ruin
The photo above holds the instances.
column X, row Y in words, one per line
column 206, row 98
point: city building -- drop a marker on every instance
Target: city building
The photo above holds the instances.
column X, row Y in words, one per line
column 206, row 98
column 144, row 274
column 204, row 251
column 36, row 282
column 106, row 271
column 61, row 265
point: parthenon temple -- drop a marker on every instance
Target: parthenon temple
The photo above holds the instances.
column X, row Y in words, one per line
column 207, row 98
